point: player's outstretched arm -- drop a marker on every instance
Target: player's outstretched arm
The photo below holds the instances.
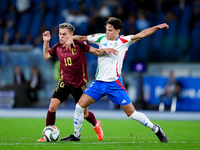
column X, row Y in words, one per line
column 46, row 39
column 70, row 40
column 148, row 32
column 80, row 38
column 102, row 52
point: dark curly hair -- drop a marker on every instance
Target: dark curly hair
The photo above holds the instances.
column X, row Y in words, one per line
column 115, row 22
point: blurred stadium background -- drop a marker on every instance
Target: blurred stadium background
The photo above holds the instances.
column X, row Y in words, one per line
column 23, row 21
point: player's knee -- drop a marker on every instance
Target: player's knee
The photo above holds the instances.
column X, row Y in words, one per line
column 129, row 114
column 53, row 107
column 129, row 109
column 132, row 116
column 55, row 103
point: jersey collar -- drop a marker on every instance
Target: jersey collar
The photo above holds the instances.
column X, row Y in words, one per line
column 117, row 38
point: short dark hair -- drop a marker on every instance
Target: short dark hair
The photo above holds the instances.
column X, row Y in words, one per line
column 70, row 27
column 115, row 22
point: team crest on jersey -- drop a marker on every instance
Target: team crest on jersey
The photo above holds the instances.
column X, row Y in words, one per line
column 115, row 44
column 73, row 50
column 93, row 35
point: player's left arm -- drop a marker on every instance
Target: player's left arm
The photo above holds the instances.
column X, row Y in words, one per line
column 148, row 32
column 102, row 52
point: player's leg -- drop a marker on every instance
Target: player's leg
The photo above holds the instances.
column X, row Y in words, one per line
column 60, row 94
column 85, row 101
column 138, row 116
column 88, row 115
column 118, row 94
column 91, row 94
column 123, row 99
column 51, row 114
column 142, row 118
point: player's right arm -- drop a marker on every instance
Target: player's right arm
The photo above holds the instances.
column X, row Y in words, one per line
column 102, row 52
column 71, row 39
column 80, row 38
column 94, row 51
column 46, row 48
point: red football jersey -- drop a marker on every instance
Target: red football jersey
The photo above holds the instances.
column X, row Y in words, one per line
column 73, row 64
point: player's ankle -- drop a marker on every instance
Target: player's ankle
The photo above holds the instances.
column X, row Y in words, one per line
column 96, row 124
column 155, row 129
column 77, row 134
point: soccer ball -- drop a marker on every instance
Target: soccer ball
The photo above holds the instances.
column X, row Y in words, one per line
column 51, row 133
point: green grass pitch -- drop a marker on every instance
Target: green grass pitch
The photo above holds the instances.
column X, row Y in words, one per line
column 122, row 134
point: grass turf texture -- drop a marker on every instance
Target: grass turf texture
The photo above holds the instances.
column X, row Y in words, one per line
column 23, row 133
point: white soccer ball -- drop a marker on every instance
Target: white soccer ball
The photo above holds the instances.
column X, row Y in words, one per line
column 51, row 133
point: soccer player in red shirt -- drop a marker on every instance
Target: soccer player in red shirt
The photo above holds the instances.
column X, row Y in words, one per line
column 73, row 73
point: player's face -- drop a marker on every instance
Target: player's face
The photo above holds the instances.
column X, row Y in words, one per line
column 111, row 33
column 64, row 35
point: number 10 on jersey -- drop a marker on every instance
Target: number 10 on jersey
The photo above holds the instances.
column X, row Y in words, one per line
column 68, row 61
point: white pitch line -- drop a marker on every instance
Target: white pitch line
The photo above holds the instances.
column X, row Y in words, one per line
column 91, row 143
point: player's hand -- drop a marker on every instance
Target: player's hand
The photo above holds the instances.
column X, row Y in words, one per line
column 46, row 36
column 163, row 25
column 69, row 42
column 111, row 51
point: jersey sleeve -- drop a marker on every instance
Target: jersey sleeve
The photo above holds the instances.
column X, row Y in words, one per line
column 96, row 38
column 52, row 51
column 83, row 45
column 128, row 38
